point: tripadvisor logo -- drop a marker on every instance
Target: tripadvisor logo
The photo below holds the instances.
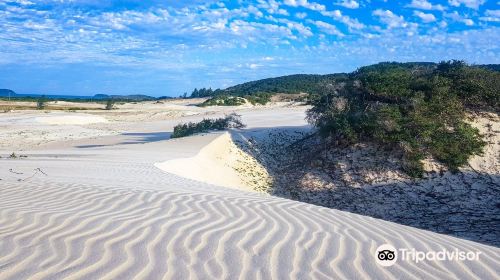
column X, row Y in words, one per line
column 387, row 255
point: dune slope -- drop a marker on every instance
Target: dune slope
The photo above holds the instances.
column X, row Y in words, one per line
column 97, row 214
column 100, row 209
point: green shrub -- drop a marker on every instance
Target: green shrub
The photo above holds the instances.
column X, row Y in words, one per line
column 206, row 125
column 224, row 100
column 40, row 103
column 259, row 98
column 110, row 103
column 419, row 110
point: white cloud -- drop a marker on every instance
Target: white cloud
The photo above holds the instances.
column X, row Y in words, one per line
column 254, row 66
column 299, row 27
column 473, row 4
column 350, row 22
column 425, row 5
column 425, row 17
column 306, row 4
column 283, row 12
column 493, row 13
column 65, row 33
column 390, row 19
column 301, row 15
column 458, row 18
column 491, row 19
column 327, row 27
column 468, row 22
column 350, row 4
column 271, row 6
column 22, row 2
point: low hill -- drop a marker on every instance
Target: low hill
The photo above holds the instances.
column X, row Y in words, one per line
column 7, row 93
column 494, row 67
column 309, row 83
column 134, row 97
column 286, row 84
column 98, row 97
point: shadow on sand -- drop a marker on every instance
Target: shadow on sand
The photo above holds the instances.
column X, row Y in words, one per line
column 464, row 205
column 134, row 138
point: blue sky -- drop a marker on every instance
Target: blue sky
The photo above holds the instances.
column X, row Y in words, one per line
column 167, row 47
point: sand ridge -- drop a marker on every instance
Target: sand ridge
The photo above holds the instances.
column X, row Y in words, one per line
column 221, row 163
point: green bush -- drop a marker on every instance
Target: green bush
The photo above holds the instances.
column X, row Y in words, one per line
column 420, row 110
column 110, row 103
column 40, row 103
column 206, row 125
column 224, row 100
column 259, row 98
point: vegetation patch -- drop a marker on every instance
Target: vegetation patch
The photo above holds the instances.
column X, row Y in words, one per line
column 110, row 103
column 40, row 103
column 224, row 100
column 419, row 109
column 206, row 125
column 260, row 98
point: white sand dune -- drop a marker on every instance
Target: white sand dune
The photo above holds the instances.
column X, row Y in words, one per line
column 107, row 212
column 67, row 119
column 217, row 163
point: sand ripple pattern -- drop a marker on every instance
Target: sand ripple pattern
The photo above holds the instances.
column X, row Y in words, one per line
column 55, row 230
column 111, row 217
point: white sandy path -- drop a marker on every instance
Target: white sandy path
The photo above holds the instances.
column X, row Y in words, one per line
column 108, row 213
column 71, row 119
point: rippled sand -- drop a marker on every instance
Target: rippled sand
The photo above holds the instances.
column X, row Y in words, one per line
column 100, row 209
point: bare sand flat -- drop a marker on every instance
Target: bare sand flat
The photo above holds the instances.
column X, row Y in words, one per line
column 99, row 208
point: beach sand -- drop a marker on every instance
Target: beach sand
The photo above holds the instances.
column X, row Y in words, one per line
column 96, row 206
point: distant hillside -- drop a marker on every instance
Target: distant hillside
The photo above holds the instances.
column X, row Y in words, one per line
column 308, row 83
column 286, row 84
column 137, row 97
column 7, row 93
column 134, row 97
column 494, row 67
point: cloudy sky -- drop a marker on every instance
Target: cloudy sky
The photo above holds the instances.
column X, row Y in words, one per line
column 166, row 47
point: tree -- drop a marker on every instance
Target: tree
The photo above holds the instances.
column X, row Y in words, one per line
column 40, row 103
column 420, row 111
column 109, row 104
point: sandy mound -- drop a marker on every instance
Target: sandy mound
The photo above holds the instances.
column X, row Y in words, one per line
column 80, row 119
column 220, row 163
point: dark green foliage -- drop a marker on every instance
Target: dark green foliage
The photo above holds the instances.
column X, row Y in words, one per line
column 313, row 84
column 416, row 108
column 477, row 87
column 286, row 84
column 40, row 103
column 109, row 104
column 206, row 125
column 259, row 98
column 203, row 92
column 453, row 148
column 223, row 100
column 493, row 67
